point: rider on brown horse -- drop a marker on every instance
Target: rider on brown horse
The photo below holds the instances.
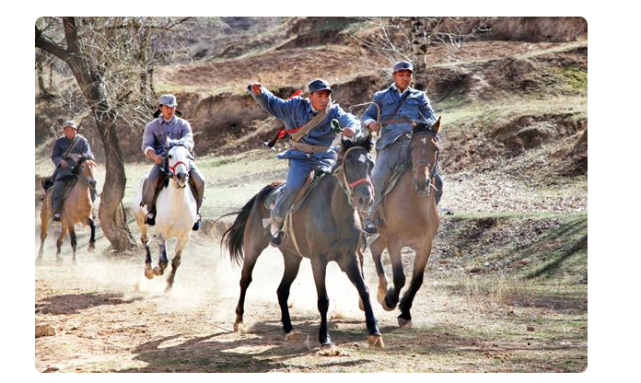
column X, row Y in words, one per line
column 401, row 107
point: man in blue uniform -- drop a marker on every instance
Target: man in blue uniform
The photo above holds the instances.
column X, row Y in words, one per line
column 400, row 107
column 161, row 133
column 310, row 146
column 67, row 152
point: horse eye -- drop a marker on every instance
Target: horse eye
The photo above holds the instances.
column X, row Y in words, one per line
column 169, row 156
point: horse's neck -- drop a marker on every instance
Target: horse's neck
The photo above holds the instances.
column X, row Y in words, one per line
column 79, row 192
column 340, row 204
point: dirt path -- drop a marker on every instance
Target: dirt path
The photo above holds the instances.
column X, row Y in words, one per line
column 107, row 317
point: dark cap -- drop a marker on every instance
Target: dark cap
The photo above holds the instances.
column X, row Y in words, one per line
column 319, row 84
column 403, row 65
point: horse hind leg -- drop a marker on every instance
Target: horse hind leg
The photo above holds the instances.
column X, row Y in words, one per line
column 44, row 224
column 377, row 248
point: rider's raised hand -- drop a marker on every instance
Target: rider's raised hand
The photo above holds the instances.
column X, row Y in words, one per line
column 256, row 88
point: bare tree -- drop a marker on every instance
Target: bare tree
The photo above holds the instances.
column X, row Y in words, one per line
column 410, row 38
column 111, row 60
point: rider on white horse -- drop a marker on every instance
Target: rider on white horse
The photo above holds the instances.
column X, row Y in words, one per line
column 161, row 133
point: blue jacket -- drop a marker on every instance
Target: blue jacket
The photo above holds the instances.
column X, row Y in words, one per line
column 295, row 112
column 160, row 134
column 416, row 108
column 63, row 143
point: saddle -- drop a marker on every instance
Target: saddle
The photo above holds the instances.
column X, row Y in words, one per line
column 311, row 181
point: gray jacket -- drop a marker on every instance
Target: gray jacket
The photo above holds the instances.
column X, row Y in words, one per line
column 160, row 134
column 81, row 149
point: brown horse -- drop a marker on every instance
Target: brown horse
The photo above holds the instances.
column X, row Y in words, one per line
column 410, row 218
column 325, row 228
column 76, row 208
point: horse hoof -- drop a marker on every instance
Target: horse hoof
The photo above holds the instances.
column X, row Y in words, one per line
column 294, row 336
column 239, row 327
column 168, row 289
column 329, row 350
column 375, row 341
column 75, row 262
column 386, row 307
column 407, row 323
column 158, row 271
column 91, row 249
column 149, row 273
column 360, row 305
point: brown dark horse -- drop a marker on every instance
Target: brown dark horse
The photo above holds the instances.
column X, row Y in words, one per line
column 76, row 208
column 410, row 218
column 326, row 227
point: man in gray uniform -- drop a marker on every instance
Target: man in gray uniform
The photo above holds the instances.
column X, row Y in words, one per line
column 67, row 152
column 309, row 120
column 400, row 107
column 160, row 134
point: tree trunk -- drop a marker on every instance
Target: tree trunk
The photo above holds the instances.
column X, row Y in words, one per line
column 112, row 215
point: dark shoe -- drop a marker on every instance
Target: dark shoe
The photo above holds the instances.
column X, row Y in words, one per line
column 275, row 241
column 369, row 228
column 56, row 217
column 196, row 224
column 150, row 219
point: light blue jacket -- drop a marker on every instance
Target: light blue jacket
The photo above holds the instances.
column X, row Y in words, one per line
column 416, row 108
column 295, row 112
column 160, row 134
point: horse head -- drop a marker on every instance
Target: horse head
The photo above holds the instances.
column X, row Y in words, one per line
column 178, row 162
column 424, row 149
column 357, row 164
column 86, row 170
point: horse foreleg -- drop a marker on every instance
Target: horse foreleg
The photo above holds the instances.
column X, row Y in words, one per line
column 292, row 265
column 74, row 242
column 354, row 274
column 61, row 237
column 163, row 261
column 420, row 263
column 175, row 262
column 319, row 268
column 377, row 248
column 92, row 238
column 391, row 299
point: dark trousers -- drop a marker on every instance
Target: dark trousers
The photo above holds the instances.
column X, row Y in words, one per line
column 151, row 186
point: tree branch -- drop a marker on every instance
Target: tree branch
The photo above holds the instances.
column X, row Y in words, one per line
column 49, row 46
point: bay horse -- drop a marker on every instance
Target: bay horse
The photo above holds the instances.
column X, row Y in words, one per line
column 76, row 208
column 175, row 214
column 410, row 218
column 325, row 227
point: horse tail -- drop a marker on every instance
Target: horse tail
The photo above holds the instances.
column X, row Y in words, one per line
column 234, row 236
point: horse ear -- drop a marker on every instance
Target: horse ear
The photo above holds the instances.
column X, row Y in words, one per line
column 436, row 126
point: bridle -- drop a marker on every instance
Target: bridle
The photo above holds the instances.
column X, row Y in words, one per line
column 172, row 169
column 348, row 187
column 432, row 173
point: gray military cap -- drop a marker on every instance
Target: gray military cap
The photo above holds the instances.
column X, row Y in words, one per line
column 71, row 124
column 168, row 99
column 403, row 65
column 319, row 84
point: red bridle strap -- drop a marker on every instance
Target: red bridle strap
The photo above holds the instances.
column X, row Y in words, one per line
column 361, row 181
column 173, row 168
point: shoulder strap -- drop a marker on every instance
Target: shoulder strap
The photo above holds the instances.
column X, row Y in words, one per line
column 71, row 147
column 311, row 124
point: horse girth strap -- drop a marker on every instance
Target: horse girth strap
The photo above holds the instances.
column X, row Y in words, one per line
column 311, row 124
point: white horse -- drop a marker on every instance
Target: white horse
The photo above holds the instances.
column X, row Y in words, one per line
column 175, row 214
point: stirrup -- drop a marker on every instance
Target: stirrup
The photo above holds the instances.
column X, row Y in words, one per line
column 197, row 223
column 57, row 217
column 150, row 219
column 275, row 240
column 370, row 228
